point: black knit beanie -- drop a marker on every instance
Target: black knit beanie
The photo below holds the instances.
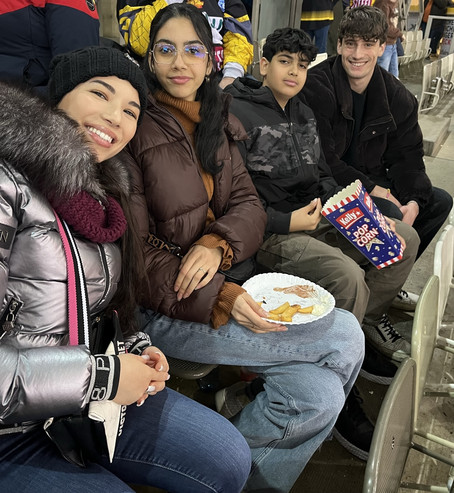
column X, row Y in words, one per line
column 71, row 69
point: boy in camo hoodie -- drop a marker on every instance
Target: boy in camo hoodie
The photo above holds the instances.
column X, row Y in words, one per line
column 284, row 157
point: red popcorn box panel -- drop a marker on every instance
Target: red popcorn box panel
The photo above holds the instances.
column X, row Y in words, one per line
column 354, row 214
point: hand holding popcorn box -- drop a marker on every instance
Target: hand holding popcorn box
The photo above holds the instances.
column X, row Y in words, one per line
column 355, row 215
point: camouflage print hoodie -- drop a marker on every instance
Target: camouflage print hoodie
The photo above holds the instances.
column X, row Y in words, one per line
column 283, row 152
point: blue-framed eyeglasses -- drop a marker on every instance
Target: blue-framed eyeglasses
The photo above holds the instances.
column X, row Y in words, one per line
column 166, row 53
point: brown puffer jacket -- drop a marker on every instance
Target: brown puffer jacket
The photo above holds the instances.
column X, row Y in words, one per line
column 170, row 201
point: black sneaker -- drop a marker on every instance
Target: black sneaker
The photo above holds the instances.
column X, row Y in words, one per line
column 231, row 400
column 405, row 301
column 210, row 383
column 385, row 338
column 376, row 367
column 353, row 429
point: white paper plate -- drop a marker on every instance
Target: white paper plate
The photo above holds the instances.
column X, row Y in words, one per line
column 261, row 288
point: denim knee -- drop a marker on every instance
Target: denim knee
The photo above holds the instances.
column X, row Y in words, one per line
column 347, row 345
column 329, row 404
column 306, row 390
column 233, row 472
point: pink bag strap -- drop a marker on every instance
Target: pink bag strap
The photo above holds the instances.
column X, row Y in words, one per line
column 78, row 311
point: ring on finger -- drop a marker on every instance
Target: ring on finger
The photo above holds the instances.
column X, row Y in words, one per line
column 203, row 270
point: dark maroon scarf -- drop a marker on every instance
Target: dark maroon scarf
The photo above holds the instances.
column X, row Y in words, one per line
column 94, row 221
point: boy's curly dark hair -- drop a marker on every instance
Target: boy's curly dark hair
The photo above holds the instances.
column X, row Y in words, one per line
column 291, row 40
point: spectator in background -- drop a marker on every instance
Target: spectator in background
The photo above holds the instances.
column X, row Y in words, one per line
column 230, row 26
column 435, row 7
column 358, row 3
column 34, row 32
column 316, row 17
column 338, row 11
column 389, row 59
column 248, row 5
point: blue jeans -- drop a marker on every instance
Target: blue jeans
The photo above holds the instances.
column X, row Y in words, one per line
column 171, row 442
column 308, row 372
column 389, row 60
column 318, row 36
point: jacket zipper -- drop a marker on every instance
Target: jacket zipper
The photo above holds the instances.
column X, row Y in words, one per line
column 8, row 318
column 106, row 269
column 295, row 143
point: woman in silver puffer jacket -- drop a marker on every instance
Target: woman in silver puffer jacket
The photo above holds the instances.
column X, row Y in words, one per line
column 48, row 163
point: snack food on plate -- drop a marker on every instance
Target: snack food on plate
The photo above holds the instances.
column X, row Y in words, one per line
column 303, row 291
column 285, row 312
column 288, row 299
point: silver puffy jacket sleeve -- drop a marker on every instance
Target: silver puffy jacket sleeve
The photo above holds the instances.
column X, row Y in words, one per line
column 37, row 383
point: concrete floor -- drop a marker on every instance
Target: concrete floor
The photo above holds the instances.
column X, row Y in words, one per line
column 332, row 469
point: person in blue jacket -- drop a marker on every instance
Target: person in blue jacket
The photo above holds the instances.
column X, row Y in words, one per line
column 33, row 32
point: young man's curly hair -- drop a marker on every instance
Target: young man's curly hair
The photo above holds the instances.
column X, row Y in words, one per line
column 364, row 22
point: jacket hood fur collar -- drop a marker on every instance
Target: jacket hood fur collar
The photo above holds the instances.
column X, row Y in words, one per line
column 48, row 148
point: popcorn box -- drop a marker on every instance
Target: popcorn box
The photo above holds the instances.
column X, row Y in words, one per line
column 355, row 215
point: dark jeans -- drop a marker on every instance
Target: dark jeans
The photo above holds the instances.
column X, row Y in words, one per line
column 430, row 218
column 171, row 442
column 436, row 33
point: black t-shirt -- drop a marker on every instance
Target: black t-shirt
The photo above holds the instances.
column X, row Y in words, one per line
column 359, row 102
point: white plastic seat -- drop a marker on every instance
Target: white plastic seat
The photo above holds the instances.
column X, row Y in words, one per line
column 319, row 58
column 419, row 49
column 427, row 48
column 394, row 438
column 425, row 339
column 444, row 269
column 446, row 73
column 431, row 84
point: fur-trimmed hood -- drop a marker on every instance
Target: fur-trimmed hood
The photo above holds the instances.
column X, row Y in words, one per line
column 47, row 147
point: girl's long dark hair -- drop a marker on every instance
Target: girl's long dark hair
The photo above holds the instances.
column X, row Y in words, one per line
column 133, row 283
column 214, row 104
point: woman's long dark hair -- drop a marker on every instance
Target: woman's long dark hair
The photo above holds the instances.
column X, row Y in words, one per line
column 214, row 105
column 133, row 283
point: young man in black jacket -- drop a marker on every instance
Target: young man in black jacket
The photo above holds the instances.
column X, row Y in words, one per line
column 285, row 159
column 368, row 123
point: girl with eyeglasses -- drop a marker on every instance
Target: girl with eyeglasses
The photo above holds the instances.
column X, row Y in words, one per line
column 199, row 210
column 199, row 215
